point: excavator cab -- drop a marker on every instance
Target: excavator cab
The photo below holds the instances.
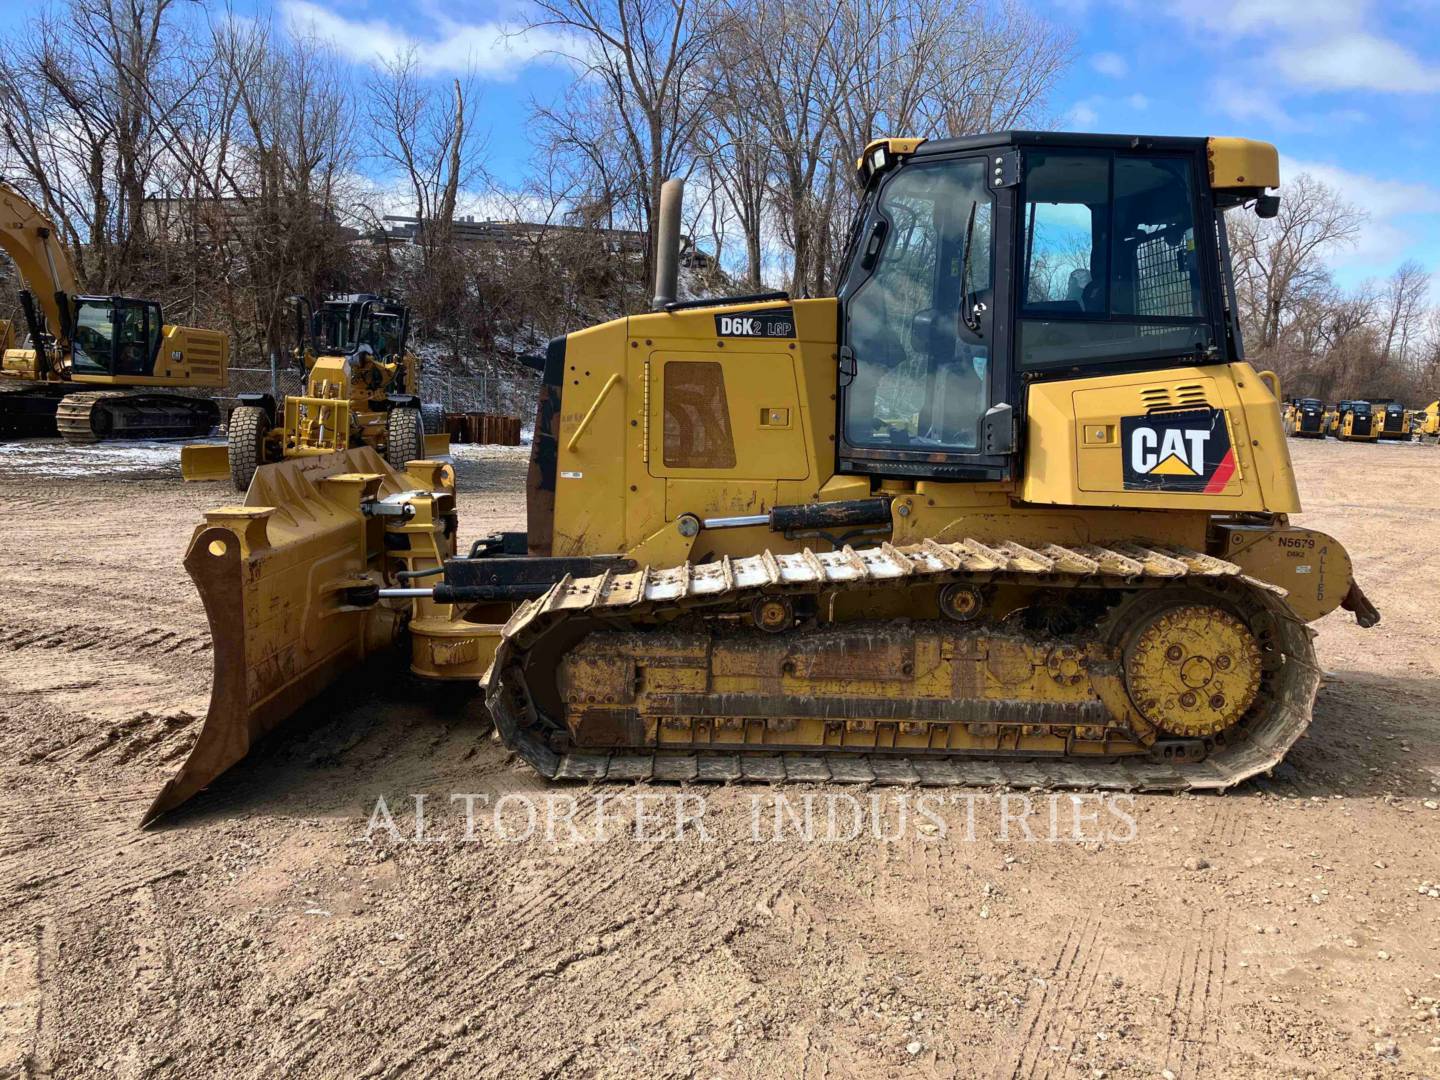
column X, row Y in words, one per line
column 116, row 335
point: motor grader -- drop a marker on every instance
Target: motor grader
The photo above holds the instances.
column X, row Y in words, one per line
column 95, row 367
column 1011, row 508
column 362, row 387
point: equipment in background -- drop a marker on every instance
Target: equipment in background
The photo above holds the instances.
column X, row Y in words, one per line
column 362, row 389
column 1427, row 422
column 1305, row 418
column 1393, row 421
column 94, row 367
column 1012, row 508
column 1357, row 422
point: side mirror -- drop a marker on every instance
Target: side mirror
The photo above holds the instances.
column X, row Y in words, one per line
column 1267, row 206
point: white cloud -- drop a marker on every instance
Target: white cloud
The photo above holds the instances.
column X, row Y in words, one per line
column 1112, row 64
column 1329, row 45
column 1356, row 61
column 1238, row 18
column 1380, row 196
column 1138, row 102
column 1083, row 115
column 1387, row 237
column 492, row 50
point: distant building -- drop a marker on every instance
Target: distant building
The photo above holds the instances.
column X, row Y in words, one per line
column 471, row 233
column 186, row 218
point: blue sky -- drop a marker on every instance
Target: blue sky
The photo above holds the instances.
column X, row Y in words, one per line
column 1348, row 89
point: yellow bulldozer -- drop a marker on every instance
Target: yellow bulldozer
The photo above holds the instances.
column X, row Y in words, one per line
column 361, row 390
column 1011, row 508
column 95, row 366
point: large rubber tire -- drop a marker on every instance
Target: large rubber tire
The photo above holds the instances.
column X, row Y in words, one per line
column 404, row 438
column 249, row 425
column 432, row 415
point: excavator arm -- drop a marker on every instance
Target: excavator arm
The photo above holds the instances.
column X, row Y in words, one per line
column 33, row 244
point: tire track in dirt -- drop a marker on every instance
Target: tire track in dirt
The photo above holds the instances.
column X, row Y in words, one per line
column 1069, row 978
column 1193, row 984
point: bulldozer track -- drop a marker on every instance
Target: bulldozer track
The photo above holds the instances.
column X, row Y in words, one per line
column 129, row 415
column 628, row 599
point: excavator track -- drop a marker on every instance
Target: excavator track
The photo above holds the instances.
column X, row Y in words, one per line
column 623, row 676
column 29, row 411
column 93, row 416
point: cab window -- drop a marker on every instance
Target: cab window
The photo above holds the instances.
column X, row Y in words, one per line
column 1111, row 270
column 921, row 371
column 94, row 345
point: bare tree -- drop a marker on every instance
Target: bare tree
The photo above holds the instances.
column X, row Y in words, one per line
column 1404, row 301
column 81, row 96
column 641, row 64
column 1278, row 260
column 420, row 132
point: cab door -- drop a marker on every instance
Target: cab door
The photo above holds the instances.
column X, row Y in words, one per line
column 924, row 338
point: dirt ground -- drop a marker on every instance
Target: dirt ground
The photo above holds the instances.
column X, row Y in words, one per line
column 1285, row 929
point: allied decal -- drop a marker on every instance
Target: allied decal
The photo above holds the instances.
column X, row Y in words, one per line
column 1178, row 451
column 757, row 324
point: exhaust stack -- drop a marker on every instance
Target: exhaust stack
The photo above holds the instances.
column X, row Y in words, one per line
column 667, row 245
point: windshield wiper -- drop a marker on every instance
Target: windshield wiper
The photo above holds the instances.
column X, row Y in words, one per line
column 969, row 313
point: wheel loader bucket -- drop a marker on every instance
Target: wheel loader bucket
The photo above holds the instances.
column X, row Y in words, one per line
column 437, row 445
column 205, row 461
column 289, row 584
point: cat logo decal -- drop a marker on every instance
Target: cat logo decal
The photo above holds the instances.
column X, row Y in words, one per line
column 1178, row 451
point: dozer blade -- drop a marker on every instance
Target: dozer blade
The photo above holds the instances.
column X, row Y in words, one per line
column 289, row 583
column 437, row 445
column 206, row 462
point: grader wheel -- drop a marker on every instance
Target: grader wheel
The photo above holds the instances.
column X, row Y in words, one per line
column 249, row 425
column 404, row 438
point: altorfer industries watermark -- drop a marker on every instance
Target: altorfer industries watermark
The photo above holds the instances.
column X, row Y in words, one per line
column 762, row 817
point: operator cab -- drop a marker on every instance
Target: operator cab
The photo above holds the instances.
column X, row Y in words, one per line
column 362, row 322
column 982, row 264
column 115, row 335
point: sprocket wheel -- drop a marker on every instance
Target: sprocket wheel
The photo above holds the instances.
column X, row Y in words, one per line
column 1193, row 670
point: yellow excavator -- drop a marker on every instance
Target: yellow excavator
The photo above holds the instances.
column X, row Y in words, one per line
column 94, row 365
column 1011, row 508
column 361, row 390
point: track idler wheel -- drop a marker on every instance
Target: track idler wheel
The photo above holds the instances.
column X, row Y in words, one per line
column 1193, row 670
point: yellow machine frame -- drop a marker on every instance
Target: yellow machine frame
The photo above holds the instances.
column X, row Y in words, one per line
column 624, row 515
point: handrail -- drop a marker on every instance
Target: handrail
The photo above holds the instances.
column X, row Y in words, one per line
column 590, row 414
